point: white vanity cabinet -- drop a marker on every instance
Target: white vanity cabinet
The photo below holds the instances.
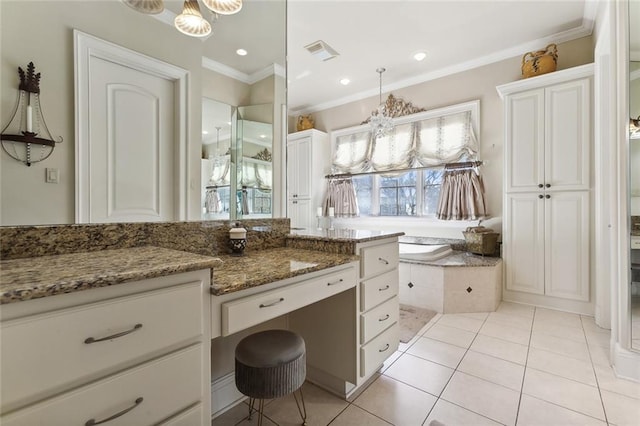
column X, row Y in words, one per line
column 547, row 207
column 139, row 350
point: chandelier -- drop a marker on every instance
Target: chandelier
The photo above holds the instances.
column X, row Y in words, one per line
column 381, row 124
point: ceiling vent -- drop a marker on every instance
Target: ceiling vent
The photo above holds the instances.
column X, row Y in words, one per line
column 321, row 50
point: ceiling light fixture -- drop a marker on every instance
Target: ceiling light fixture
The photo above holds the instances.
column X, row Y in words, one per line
column 345, row 81
column 224, row 7
column 419, row 56
column 150, row 7
column 241, row 52
column 191, row 22
column 380, row 123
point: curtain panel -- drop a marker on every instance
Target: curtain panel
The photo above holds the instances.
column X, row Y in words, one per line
column 423, row 143
column 461, row 196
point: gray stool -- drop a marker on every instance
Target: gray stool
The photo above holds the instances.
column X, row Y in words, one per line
column 271, row 364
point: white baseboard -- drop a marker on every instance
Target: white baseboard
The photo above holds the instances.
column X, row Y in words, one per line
column 626, row 363
column 224, row 395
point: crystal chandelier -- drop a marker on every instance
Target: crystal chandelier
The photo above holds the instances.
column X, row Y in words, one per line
column 381, row 124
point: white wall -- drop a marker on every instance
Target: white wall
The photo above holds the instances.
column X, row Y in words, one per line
column 479, row 83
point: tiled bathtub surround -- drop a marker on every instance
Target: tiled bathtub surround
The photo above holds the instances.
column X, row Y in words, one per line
column 203, row 237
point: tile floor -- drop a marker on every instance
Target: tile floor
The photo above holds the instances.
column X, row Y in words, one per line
column 517, row 366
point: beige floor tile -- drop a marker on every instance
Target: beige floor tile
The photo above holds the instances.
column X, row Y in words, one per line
column 570, row 368
column 599, row 355
column 560, row 346
column 607, row 380
column 232, row 416
column 452, row 335
column 598, row 338
column 451, row 414
column 536, row 412
column 420, row 373
column 621, row 410
column 396, row 402
column 322, row 407
column 389, row 361
column 511, row 320
column 495, row 370
column 356, row 416
column 565, row 318
column 500, row 349
column 482, row 397
column 505, row 332
column 552, row 328
column 516, row 309
column 476, row 315
column 436, row 351
column 461, row 322
column 564, row 392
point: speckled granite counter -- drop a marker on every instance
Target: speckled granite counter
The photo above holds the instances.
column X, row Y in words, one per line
column 335, row 240
column 262, row 267
column 456, row 244
column 459, row 259
column 36, row 277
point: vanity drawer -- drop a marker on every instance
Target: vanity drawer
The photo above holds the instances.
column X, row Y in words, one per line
column 251, row 310
column 374, row 353
column 378, row 259
column 376, row 290
column 166, row 386
column 378, row 319
column 50, row 352
column 192, row 416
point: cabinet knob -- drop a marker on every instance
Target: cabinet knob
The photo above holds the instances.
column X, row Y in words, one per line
column 547, row 196
column 548, row 185
column 540, row 185
column 539, row 196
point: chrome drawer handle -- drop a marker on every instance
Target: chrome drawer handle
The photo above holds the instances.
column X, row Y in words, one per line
column 90, row 340
column 385, row 348
column 262, row 305
column 385, row 261
column 384, row 319
column 336, row 282
column 92, row 422
column 384, row 288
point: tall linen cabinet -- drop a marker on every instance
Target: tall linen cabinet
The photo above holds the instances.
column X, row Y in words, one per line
column 308, row 157
column 547, row 190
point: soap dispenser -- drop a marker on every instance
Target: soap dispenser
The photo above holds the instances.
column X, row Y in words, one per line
column 237, row 239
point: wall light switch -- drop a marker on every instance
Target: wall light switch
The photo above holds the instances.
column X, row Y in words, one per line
column 52, row 175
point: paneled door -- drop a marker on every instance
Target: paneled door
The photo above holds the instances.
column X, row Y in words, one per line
column 129, row 141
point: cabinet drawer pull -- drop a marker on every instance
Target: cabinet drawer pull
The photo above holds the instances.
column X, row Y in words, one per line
column 336, row 282
column 92, row 422
column 90, row 340
column 384, row 319
column 385, row 261
column 385, row 348
column 384, row 288
column 262, row 305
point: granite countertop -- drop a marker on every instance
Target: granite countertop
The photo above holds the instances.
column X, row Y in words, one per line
column 344, row 235
column 458, row 258
column 36, row 277
column 263, row 267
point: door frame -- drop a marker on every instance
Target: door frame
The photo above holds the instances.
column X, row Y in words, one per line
column 86, row 47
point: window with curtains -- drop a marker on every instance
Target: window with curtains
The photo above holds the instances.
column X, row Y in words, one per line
column 401, row 174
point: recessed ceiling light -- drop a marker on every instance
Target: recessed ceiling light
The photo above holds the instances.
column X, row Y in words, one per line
column 241, row 52
column 204, row 132
column 345, row 81
column 263, row 136
column 419, row 56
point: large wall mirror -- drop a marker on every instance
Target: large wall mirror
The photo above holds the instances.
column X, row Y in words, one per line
column 251, row 87
column 634, row 168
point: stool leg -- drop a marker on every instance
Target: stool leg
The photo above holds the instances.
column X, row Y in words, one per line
column 261, row 412
column 303, row 411
column 251, row 402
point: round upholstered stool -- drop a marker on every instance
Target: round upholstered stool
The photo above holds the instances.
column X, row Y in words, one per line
column 271, row 364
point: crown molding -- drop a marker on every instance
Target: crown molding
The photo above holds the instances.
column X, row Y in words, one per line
column 584, row 30
column 220, row 68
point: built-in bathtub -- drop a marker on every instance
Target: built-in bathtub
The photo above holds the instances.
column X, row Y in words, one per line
column 424, row 252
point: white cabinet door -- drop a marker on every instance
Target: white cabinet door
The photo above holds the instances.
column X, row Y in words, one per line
column 299, row 168
column 524, row 147
column 567, row 136
column 301, row 213
column 524, row 242
column 567, row 245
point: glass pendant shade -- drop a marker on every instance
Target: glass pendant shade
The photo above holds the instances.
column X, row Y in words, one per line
column 150, row 7
column 224, row 7
column 380, row 123
column 191, row 22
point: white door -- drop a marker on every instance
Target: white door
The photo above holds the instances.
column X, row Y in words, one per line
column 303, row 158
column 524, row 242
column 567, row 245
column 131, row 138
column 131, row 151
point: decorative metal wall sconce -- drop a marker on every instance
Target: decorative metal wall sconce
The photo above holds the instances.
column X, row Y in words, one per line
column 26, row 138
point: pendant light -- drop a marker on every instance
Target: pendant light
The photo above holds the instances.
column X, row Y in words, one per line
column 381, row 124
column 149, row 7
column 191, row 22
column 224, row 7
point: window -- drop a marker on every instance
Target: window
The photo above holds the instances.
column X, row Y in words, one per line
column 398, row 195
column 431, row 183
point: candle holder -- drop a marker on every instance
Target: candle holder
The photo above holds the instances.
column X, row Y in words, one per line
column 237, row 240
column 27, row 134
